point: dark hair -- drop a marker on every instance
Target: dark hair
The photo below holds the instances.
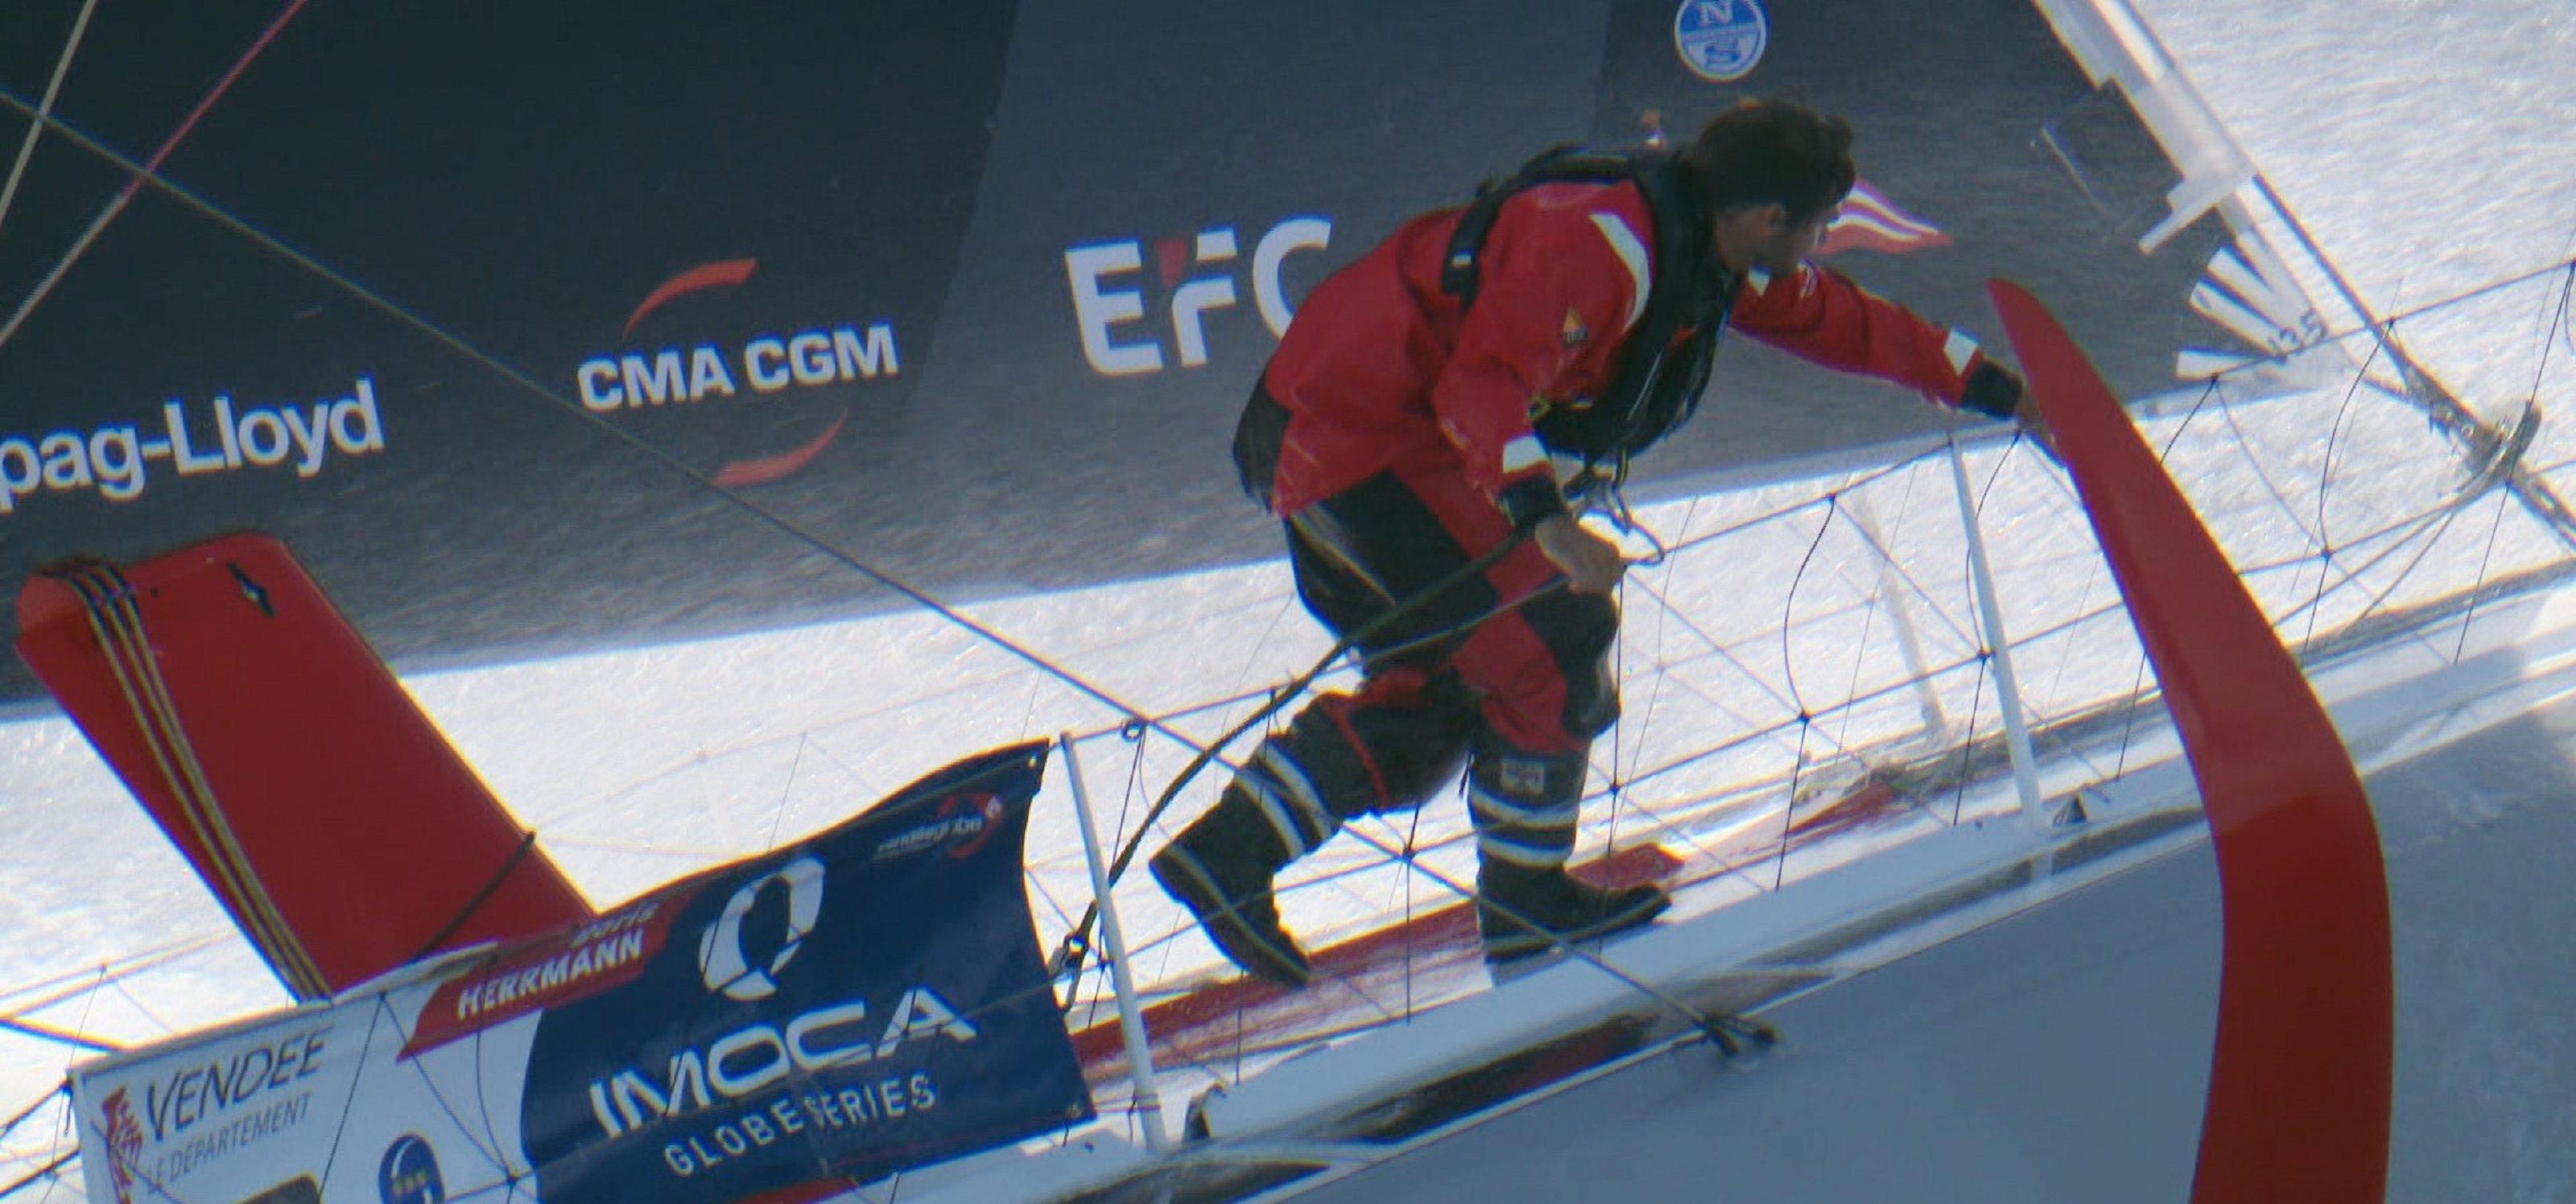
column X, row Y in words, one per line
column 1774, row 151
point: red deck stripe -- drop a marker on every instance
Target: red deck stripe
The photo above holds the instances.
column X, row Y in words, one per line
column 2299, row 1082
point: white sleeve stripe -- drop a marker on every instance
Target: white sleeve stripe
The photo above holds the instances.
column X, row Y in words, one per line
column 1524, row 452
column 1632, row 252
column 1960, row 348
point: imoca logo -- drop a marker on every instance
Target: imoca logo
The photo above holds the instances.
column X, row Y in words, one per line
column 721, row 961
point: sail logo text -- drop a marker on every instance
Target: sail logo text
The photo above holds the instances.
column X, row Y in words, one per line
column 114, row 459
column 241, row 1132
column 569, row 968
column 1102, row 299
column 175, row 1104
column 764, row 365
column 965, row 819
column 762, row 1055
column 873, row 1101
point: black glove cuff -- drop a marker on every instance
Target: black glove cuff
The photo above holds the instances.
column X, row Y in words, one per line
column 1530, row 501
column 1990, row 391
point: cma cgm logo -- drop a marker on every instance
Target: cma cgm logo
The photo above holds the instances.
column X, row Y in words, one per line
column 706, row 338
column 1198, row 275
column 765, row 364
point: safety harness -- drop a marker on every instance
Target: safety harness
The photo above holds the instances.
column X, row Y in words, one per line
column 1665, row 363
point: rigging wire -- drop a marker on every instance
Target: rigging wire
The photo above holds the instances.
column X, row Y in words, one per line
column 2245, row 451
column 2327, row 339
column 1906, row 576
column 2539, row 374
column 45, row 1173
column 68, row 1120
column 2325, row 470
column 2138, row 683
column 2435, row 520
column 88, row 978
column 149, row 173
column 1726, row 655
column 1788, row 609
column 54, row 1162
column 1985, row 655
column 1619, row 737
column 1860, row 657
column 53, row 88
column 150, row 168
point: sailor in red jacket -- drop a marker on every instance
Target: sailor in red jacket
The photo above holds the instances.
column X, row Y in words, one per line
column 1413, row 423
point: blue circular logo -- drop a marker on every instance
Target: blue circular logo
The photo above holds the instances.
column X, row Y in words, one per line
column 409, row 1173
column 1720, row 40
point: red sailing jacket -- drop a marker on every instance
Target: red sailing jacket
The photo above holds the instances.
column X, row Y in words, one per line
column 1381, row 368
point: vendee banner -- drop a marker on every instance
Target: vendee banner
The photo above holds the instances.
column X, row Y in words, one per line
column 867, row 1000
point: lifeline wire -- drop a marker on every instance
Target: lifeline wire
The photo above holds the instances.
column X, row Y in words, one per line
column 2331, row 338
column 2539, row 374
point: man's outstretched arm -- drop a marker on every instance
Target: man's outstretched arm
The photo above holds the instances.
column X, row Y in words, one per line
column 1823, row 317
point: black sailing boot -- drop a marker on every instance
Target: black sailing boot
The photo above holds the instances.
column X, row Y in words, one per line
column 1525, row 810
column 1221, row 868
column 1565, row 909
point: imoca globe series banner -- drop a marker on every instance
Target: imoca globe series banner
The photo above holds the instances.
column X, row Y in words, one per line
column 864, row 1001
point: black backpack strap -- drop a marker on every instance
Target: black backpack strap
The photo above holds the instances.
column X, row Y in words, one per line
column 1258, row 437
column 1565, row 162
column 1655, row 387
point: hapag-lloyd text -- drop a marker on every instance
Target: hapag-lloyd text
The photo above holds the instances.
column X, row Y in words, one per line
column 113, row 459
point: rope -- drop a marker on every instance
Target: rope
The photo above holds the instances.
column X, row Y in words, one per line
column 40, row 1173
column 1068, row 959
column 115, row 621
column 509, row 865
